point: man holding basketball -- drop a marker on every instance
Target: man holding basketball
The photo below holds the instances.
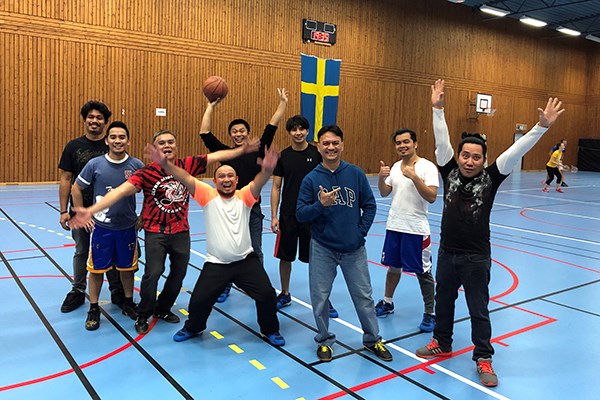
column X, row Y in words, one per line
column 464, row 256
column 246, row 166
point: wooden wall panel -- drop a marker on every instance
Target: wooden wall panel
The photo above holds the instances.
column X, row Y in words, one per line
column 137, row 55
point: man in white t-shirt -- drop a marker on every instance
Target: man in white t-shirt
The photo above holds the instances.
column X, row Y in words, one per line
column 413, row 183
column 230, row 256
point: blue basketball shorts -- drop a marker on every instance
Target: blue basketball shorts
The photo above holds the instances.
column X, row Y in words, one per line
column 110, row 247
column 410, row 252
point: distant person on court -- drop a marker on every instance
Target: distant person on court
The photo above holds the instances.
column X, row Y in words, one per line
column 114, row 235
column 74, row 157
column 246, row 167
column 413, row 183
column 556, row 147
column 337, row 199
column 229, row 253
column 165, row 223
column 553, row 168
column 464, row 256
column 296, row 161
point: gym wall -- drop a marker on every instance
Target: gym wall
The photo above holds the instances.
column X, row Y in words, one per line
column 139, row 55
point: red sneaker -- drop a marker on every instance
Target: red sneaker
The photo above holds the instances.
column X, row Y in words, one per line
column 559, row 190
column 545, row 190
column 433, row 350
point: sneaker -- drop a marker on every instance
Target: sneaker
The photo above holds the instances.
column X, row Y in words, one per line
column 380, row 351
column 118, row 298
column 382, row 309
column 332, row 311
column 487, row 376
column 545, row 190
column 182, row 335
column 141, row 325
column 276, row 339
column 433, row 350
column 74, row 299
column 325, row 353
column 130, row 310
column 564, row 184
column 93, row 319
column 167, row 317
column 559, row 190
column 223, row 296
column 283, row 300
column 428, row 323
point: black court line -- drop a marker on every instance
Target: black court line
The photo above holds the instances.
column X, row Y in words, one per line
column 571, row 308
column 61, row 345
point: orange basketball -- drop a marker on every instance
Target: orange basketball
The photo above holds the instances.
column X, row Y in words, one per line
column 215, row 87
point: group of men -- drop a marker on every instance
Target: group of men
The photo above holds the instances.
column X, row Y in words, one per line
column 326, row 210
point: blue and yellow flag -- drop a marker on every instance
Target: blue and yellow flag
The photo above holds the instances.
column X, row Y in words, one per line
column 320, row 92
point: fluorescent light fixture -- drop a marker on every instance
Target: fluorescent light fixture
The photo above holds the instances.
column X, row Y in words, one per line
column 567, row 31
column 531, row 21
column 494, row 11
column 593, row 38
column 456, row 1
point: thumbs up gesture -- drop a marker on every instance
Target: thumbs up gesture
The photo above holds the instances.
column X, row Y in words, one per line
column 384, row 171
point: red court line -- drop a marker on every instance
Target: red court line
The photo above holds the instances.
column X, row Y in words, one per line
column 550, row 223
column 82, row 366
column 37, row 248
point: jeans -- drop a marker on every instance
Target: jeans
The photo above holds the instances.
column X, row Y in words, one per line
column 322, row 269
column 247, row 274
column 427, row 285
column 472, row 271
column 158, row 245
column 256, row 230
column 80, row 257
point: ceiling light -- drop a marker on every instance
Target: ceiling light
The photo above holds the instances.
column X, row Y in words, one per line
column 531, row 21
column 568, row 31
column 593, row 38
column 494, row 11
column 456, row 1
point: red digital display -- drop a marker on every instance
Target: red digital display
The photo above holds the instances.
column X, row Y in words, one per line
column 320, row 36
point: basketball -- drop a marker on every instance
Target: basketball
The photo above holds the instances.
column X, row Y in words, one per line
column 215, row 87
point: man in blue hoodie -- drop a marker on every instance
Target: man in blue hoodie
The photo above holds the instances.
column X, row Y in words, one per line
column 337, row 200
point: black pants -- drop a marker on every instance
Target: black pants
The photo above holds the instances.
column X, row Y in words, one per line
column 247, row 274
column 552, row 172
column 472, row 271
column 158, row 245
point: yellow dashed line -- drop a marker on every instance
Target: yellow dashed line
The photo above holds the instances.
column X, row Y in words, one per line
column 279, row 382
column 51, row 231
column 300, row 398
column 32, row 225
column 217, row 335
column 258, row 365
column 236, row 348
column 184, row 311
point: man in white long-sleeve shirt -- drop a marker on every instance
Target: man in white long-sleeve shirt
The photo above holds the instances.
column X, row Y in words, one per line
column 464, row 256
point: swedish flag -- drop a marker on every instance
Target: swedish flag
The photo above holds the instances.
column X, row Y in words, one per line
column 320, row 92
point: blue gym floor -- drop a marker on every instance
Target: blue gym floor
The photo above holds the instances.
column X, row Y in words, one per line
column 545, row 314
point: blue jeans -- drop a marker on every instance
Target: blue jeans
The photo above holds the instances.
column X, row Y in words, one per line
column 322, row 269
column 472, row 271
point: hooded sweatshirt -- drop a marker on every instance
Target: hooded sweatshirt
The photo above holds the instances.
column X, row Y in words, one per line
column 342, row 226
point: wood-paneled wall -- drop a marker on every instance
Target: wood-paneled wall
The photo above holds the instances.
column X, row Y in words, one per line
column 138, row 55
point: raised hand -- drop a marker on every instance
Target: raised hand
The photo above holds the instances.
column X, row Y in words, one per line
column 269, row 162
column 550, row 114
column 154, row 154
column 437, row 94
column 384, row 171
column 251, row 145
column 283, row 94
column 327, row 198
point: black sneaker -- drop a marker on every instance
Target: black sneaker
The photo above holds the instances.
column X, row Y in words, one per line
column 325, row 353
column 74, row 299
column 564, row 184
column 380, row 351
column 167, row 317
column 130, row 309
column 93, row 319
column 141, row 325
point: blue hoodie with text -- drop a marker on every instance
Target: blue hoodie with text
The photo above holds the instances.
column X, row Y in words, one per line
column 342, row 226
